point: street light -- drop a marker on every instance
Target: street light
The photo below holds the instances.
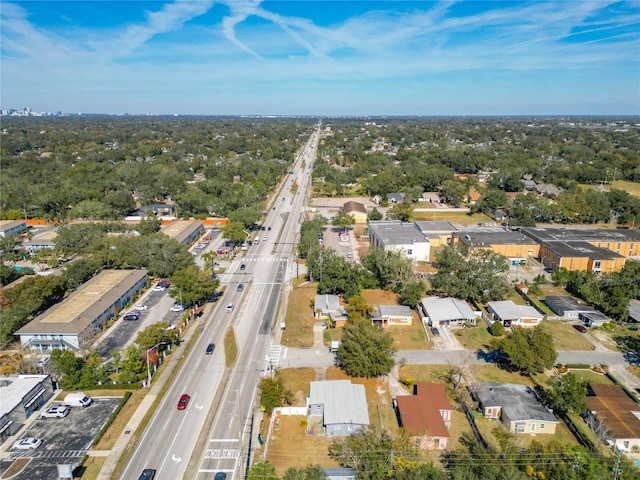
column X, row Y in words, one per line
column 148, row 367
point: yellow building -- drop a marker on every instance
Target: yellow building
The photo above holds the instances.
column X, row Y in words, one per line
column 357, row 210
column 511, row 244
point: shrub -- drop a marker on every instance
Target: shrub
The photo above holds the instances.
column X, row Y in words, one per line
column 497, row 329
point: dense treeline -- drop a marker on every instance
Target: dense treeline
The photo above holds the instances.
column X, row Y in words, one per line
column 424, row 155
column 106, row 167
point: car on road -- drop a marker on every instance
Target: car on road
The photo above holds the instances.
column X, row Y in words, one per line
column 132, row 316
column 349, row 255
column 147, row 474
column 230, row 307
column 177, row 308
column 55, row 411
column 243, row 267
column 210, row 348
column 27, row 443
column 580, row 328
column 268, row 229
column 240, row 287
column 184, row 401
column 435, row 332
column 140, row 307
column 220, row 476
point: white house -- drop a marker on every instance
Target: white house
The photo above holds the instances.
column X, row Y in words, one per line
column 511, row 314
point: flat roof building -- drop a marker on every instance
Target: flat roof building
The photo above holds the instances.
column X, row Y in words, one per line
column 12, row 227
column 21, row 395
column 184, row 231
column 446, row 311
column 401, row 237
column 510, row 243
column 75, row 321
column 511, row 314
column 566, row 306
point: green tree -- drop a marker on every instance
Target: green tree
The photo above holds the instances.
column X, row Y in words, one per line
column 191, row 285
column 148, row 224
column 411, row 293
column 365, row 350
column 358, row 308
column 567, row 394
column 402, row 211
column 375, row 215
column 153, row 335
column 233, row 231
column 310, row 472
column 497, row 329
column 273, row 392
column 391, row 270
column 529, row 350
column 262, row 471
column 343, row 220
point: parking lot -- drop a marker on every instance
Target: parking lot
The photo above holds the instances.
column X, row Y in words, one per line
column 65, row 440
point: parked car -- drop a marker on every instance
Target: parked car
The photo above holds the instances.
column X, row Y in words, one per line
column 27, row 443
column 159, row 288
column 580, row 328
column 147, row 474
column 210, row 348
column 55, row 411
column 177, row 308
column 140, row 307
column 240, row 287
column 184, row 401
column 435, row 332
column 78, row 399
column 164, row 283
column 132, row 316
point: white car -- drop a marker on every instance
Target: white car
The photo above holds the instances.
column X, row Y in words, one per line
column 27, row 443
column 230, row 307
column 141, row 307
column 159, row 288
column 177, row 308
column 56, row 411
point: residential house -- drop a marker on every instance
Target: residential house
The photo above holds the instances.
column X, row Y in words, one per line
column 593, row 319
column 357, row 210
column 566, row 306
column 387, row 315
column 401, row 237
column 610, row 409
column 517, row 406
column 513, row 315
column 328, row 307
column 426, row 415
column 447, row 311
column 12, row 227
column 396, row 197
column 432, row 197
column 336, row 408
column 547, row 189
column 42, row 240
column 74, row 322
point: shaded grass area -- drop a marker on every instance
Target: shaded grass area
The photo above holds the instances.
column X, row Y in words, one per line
column 300, row 316
column 476, row 337
column 90, row 468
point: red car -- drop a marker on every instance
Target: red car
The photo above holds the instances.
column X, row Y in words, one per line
column 184, row 401
column 580, row 328
column 164, row 283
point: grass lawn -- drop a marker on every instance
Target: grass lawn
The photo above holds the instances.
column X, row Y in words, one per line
column 632, row 187
column 475, row 338
column 591, row 376
column 90, row 469
column 299, row 317
column 120, row 422
column 297, row 380
column 565, row 337
column 453, row 216
column 493, row 373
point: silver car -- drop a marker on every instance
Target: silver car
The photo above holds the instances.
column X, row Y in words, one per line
column 56, row 411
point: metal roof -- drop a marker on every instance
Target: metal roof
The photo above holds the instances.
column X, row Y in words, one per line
column 442, row 309
column 395, row 232
column 507, row 310
column 616, row 410
column 343, row 401
column 562, row 304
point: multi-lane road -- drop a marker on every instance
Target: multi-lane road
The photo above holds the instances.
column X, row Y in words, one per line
column 212, row 433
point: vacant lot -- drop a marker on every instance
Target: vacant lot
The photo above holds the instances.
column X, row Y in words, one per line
column 453, row 216
column 476, row 338
column 299, row 318
column 565, row 337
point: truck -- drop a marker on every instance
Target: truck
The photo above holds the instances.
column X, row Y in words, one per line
column 77, row 400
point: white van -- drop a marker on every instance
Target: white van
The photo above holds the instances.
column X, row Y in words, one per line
column 77, row 400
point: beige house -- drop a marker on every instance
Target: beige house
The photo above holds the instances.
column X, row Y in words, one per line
column 387, row 315
column 357, row 210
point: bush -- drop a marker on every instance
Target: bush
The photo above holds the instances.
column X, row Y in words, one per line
column 579, row 366
column 497, row 329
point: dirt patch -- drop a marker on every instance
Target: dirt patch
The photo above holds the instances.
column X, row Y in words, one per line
column 299, row 318
column 16, row 467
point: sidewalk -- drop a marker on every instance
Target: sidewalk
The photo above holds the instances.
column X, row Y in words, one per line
column 119, row 448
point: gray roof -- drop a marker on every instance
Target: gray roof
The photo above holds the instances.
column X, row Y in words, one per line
column 580, row 249
column 343, row 401
column 14, row 389
column 442, row 309
column 499, row 237
column 76, row 312
column 507, row 310
column 327, row 302
column 395, row 232
column 561, row 304
column 432, row 226
column 396, row 197
column 182, row 229
column 544, row 234
column 595, row 317
column 634, row 310
column 395, row 311
column 518, row 402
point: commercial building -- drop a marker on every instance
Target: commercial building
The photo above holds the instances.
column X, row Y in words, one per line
column 12, row 227
column 509, row 243
column 184, row 231
column 439, row 233
column 401, row 237
column 75, row 321
column 21, row 396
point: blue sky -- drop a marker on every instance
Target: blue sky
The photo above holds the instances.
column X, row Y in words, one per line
column 321, row 58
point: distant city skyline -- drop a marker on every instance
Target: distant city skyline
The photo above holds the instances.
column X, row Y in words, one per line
column 327, row 58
